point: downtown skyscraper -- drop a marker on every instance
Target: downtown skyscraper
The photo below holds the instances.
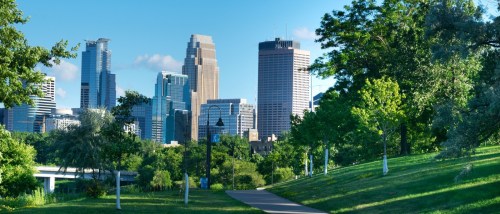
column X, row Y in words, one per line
column 98, row 86
column 26, row 118
column 171, row 104
column 200, row 65
column 283, row 85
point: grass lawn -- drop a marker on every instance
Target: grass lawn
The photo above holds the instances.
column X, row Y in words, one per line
column 157, row 202
column 414, row 184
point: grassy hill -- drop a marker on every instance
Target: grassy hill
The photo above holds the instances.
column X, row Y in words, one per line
column 414, row 184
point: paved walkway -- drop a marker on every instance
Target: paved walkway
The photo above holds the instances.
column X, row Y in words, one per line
column 269, row 203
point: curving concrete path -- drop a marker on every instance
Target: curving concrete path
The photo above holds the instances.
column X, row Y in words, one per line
column 270, row 203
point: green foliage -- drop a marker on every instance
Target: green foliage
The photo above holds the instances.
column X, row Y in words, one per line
column 43, row 144
column 161, row 180
column 217, row 187
column 82, row 146
column 283, row 174
column 94, row 188
column 145, row 176
column 16, row 166
column 380, row 109
column 35, row 199
column 19, row 80
column 468, row 36
column 123, row 111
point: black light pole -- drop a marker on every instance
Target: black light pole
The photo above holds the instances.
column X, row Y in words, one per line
column 209, row 141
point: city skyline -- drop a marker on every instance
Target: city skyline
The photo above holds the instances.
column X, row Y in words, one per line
column 153, row 38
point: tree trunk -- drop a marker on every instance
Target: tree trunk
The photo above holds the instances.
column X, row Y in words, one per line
column 404, row 140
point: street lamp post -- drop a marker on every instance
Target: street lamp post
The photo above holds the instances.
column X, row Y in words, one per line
column 209, row 141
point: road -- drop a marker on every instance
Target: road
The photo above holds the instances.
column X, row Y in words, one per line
column 270, row 203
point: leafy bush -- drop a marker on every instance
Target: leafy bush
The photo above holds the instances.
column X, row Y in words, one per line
column 161, row 180
column 217, row 187
column 283, row 174
column 93, row 188
column 16, row 166
column 37, row 198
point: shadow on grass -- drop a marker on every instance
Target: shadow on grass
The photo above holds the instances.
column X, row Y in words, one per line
column 432, row 201
column 343, row 189
column 164, row 202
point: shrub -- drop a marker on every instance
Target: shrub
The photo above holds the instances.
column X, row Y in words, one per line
column 217, row 187
column 37, row 198
column 161, row 180
column 283, row 174
column 94, row 188
column 16, row 166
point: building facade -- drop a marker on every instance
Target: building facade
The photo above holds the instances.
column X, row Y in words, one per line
column 283, row 85
column 238, row 116
column 142, row 114
column 170, row 103
column 200, row 65
column 26, row 118
column 98, row 85
column 61, row 119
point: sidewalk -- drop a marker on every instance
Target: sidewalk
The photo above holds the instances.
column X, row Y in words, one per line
column 269, row 203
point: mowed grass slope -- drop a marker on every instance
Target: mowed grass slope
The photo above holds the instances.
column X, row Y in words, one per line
column 414, row 184
column 156, row 202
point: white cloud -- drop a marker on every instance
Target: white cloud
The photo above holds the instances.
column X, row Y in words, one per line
column 120, row 92
column 61, row 93
column 158, row 62
column 65, row 71
column 304, row 33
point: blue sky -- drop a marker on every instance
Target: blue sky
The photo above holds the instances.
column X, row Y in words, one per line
column 148, row 36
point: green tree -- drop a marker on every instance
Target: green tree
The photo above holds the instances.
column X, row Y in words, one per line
column 16, row 166
column 369, row 40
column 19, row 81
column 82, row 146
column 380, row 110
column 161, row 180
column 462, row 34
column 120, row 143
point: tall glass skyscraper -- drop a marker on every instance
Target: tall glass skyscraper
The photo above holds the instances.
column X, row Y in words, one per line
column 283, row 85
column 200, row 65
column 26, row 118
column 98, row 87
column 238, row 116
column 171, row 104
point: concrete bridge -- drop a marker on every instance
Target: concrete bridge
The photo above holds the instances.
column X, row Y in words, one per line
column 50, row 173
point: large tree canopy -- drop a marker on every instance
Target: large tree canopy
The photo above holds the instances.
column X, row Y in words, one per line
column 18, row 79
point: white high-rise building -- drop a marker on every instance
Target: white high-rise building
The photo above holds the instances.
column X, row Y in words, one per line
column 26, row 118
column 283, row 85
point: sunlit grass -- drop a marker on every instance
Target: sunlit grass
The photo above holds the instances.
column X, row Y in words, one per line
column 415, row 184
column 158, row 202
